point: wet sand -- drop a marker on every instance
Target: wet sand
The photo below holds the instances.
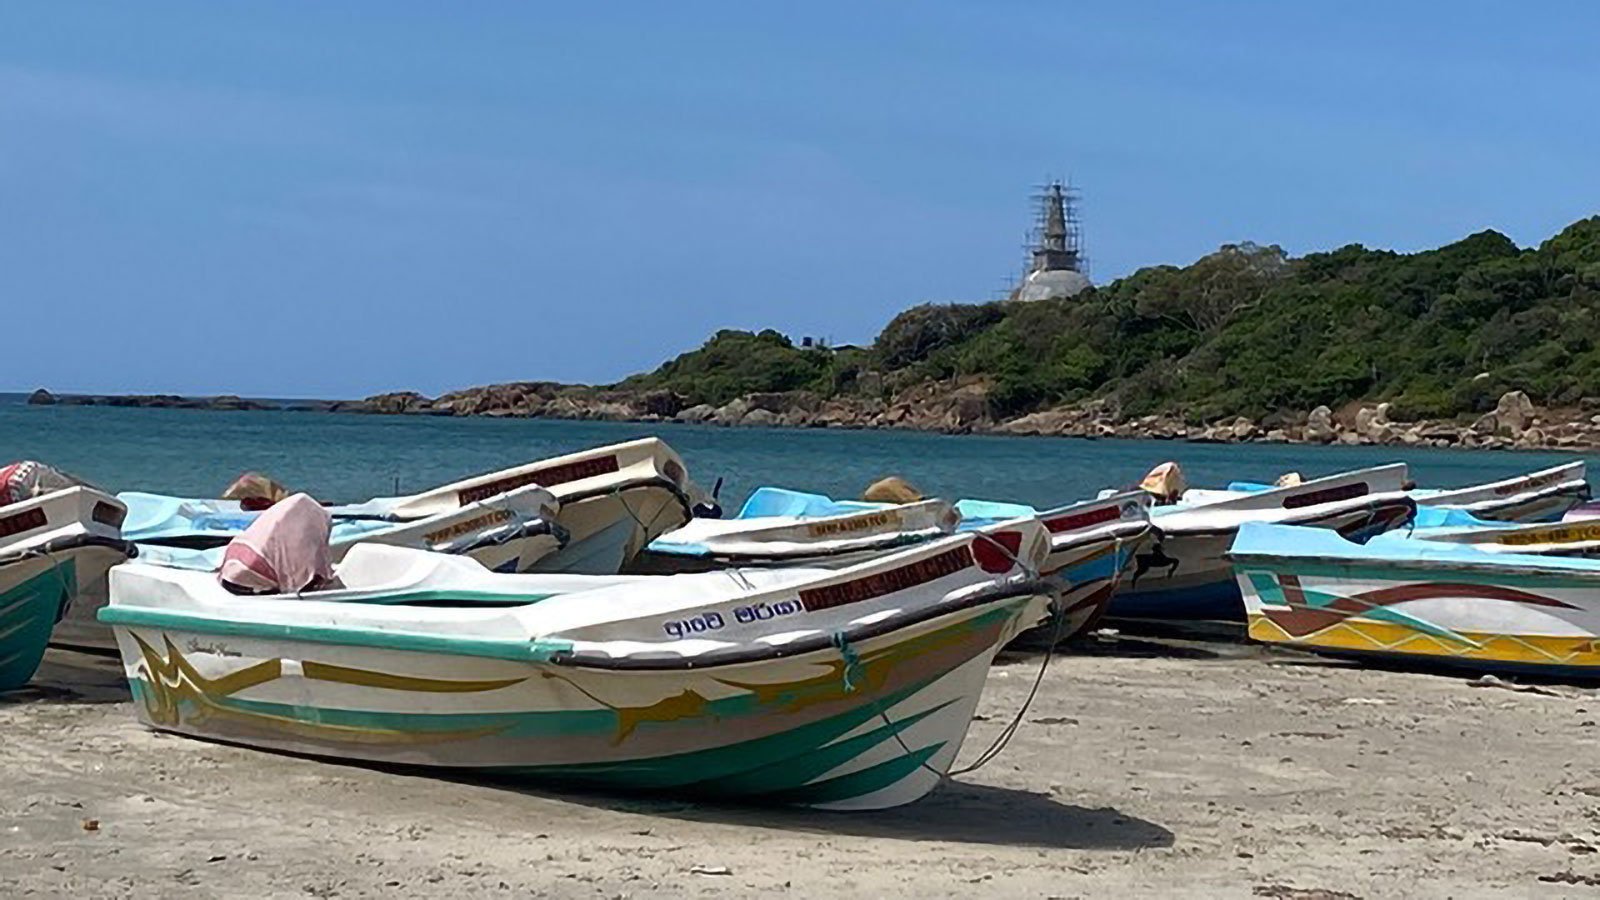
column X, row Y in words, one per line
column 1145, row 767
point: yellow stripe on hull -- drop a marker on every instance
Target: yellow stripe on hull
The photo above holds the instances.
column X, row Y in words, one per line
column 1394, row 639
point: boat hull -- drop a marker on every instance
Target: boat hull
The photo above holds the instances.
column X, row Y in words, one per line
column 1187, row 575
column 606, row 532
column 1499, row 621
column 1089, row 575
column 33, row 594
column 870, row 725
column 1543, row 496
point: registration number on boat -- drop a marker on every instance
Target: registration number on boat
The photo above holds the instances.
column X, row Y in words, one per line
column 711, row 620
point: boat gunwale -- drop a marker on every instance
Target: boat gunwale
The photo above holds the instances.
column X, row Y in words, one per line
column 66, row 544
column 1370, row 502
column 559, row 651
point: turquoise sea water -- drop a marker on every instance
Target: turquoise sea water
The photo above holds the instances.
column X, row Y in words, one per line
column 344, row 458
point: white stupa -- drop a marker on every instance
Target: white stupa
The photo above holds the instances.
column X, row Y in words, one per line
column 1057, row 268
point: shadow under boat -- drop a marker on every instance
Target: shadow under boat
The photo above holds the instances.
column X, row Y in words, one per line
column 72, row 677
column 1150, row 639
column 958, row 812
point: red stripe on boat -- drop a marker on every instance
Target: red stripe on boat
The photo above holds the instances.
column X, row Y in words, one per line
column 879, row 584
column 545, row 477
column 1059, row 524
column 17, row 524
column 1328, row 495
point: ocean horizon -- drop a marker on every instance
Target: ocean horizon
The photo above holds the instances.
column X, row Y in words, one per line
column 345, row 458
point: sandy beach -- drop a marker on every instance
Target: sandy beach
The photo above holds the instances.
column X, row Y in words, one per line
column 1145, row 767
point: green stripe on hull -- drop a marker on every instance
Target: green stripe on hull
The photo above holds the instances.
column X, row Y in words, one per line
column 28, row 613
column 862, row 782
column 521, row 651
column 701, row 770
column 791, row 774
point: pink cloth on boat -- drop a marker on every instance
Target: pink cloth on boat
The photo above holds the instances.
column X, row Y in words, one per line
column 285, row 551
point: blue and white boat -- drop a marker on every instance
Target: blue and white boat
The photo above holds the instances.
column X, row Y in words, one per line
column 1439, row 602
column 1456, row 526
column 1185, row 573
column 781, row 527
column 1091, row 543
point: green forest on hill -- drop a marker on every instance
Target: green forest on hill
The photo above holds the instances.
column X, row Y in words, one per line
column 1242, row 331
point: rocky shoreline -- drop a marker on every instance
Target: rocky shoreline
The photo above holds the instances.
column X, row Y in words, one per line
column 961, row 407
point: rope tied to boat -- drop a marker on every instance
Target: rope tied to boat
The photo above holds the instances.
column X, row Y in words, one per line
column 994, row 749
column 852, row 668
column 60, row 571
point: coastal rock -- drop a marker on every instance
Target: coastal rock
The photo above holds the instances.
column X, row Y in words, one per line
column 1372, row 424
column 701, row 412
column 968, row 406
column 1242, row 429
column 1530, row 438
column 732, row 412
column 394, row 403
column 785, row 402
column 843, row 413
column 1051, row 422
column 41, row 397
column 1514, row 412
column 760, row 418
column 1278, row 436
column 663, row 403
column 613, row 411
column 1319, row 426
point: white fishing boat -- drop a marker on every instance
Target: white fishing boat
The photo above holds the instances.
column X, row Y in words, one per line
column 780, row 527
column 1542, row 496
column 839, row 688
column 1093, row 545
column 1454, row 526
column 613, row 501
column 1185, row 573
column 1419, row 600
column 55, row 550
column 509, row 532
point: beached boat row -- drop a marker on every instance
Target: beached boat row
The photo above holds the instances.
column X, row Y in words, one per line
column 585, row 620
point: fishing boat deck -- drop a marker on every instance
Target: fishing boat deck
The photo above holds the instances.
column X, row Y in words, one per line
column 1147, row 765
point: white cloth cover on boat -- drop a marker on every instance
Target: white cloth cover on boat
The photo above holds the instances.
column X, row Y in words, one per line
column 27, row 479
column 283, row 552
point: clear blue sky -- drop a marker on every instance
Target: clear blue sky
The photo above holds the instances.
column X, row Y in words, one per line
column 332, row 199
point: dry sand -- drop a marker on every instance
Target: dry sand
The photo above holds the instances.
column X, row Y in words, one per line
column 1146, row 767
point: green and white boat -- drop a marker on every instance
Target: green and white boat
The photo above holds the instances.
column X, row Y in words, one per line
column 55, row 550
column 841, row 688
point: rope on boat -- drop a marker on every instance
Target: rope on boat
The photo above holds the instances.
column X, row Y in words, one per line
column 61, row 576
column 1058, row 623
column 852, row 666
